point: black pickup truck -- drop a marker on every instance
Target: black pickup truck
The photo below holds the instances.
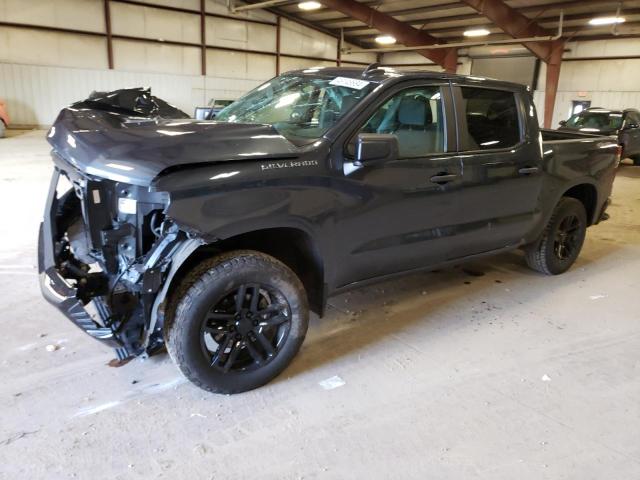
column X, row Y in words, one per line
column 216, row 238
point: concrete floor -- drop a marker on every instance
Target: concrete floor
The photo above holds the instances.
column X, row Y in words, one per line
column 508, row 375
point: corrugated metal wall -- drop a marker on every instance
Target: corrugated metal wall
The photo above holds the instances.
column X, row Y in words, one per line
column 35, row 93
column 611, row 83
column 43, row 71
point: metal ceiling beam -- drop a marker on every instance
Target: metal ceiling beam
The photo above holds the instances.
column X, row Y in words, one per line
column 514, row 23
column 405, row 11
column 518, row 25
column 367, row 35
column 253, row 6
column 405, row 34
column 546, row 11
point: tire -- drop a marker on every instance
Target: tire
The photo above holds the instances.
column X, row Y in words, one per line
column 236, row 322
column 554, row 252
column 636, row 160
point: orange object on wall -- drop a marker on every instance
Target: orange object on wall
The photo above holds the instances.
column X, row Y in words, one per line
column 3, row 113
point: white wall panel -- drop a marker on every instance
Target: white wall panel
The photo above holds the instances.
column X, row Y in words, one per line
column 465, row 68
column 148, row 22
column 220, row 7
column 35, row 94
column 603, row 48
column 607, row 83
column 297, row 39
column 224, row 89
column 41, row 72
column 239, row 34
column 288, row 63
column 156, row 57
column 76, row 14
column 224, row 64
column 358, row 57
column 407, row 57
column 190, row 4
column 21, row 45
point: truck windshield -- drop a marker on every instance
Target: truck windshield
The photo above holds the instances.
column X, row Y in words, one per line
column 298, row 106
column 596, row 121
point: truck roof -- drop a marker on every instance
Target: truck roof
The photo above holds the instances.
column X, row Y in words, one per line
column 381, row 74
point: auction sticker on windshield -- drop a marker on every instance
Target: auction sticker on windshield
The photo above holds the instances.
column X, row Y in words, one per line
column 349, row 83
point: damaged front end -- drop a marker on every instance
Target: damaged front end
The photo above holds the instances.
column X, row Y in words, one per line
column 105, row 252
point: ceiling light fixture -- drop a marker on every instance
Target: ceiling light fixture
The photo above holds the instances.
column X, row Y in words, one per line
column 385, row 40
column 477, row 32
column 309, row 6
column 606, row 20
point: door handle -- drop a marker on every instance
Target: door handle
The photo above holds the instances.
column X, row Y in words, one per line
column 528, row 170
column 443, row 178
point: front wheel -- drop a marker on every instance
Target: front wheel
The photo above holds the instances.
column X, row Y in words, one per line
column 562, row 239
column 238, row 321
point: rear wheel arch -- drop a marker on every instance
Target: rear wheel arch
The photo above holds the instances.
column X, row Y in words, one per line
column 587, row 194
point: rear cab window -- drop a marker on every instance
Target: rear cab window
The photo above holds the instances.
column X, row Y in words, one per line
column 491, row 119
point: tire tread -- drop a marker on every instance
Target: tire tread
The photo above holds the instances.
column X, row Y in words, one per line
column 538, row 253
column 192, row 286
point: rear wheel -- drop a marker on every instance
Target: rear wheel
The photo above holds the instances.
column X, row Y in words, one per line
column 238, row 321
column 560, row 243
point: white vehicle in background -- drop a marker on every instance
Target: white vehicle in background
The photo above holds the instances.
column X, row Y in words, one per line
column 211, row 110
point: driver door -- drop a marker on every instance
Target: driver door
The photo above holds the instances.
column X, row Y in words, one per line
column 399, row 214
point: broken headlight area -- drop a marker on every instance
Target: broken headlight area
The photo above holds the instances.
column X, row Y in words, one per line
column 105, row 248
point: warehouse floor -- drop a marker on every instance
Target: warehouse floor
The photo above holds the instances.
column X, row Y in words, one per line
column 486, row 370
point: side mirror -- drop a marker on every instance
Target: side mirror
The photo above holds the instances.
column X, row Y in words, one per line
column 563, row 123
column 375, row 148
column 630, row 126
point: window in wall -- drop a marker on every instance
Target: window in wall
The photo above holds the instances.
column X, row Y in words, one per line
column 492, row 119
column 415, row 117
column 578, row 106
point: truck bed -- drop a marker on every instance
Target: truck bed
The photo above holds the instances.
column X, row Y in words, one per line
column 549, row 135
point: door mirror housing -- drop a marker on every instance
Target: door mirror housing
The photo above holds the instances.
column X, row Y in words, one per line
column 563, row 123
column 630, row 126
column 375, row 148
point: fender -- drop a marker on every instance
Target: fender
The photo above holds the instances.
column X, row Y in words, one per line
column 556, row 195
column 180, row 255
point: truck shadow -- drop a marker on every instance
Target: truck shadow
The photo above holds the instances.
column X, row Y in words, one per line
column 444, row 300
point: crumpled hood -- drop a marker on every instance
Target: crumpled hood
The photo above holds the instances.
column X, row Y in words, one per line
column 137, row 149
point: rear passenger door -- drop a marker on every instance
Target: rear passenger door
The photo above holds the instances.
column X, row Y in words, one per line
column 631, row 130
column 501, row 170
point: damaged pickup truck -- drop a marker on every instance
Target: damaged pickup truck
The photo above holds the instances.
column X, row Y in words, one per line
column 216, row 238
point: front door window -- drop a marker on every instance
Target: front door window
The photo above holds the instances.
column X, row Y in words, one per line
column 415, row 117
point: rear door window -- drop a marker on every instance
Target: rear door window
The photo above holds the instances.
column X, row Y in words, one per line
column 492, row 119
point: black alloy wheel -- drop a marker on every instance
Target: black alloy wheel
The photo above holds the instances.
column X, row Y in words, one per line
column 236, row 321
column 561, row 241
column 246, row 328
column 567, row 237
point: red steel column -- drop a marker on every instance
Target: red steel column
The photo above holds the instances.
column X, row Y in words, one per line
column 451, row 61
column 107, row 25
column 203, row 39
column 553, row 78
column 278, row 34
